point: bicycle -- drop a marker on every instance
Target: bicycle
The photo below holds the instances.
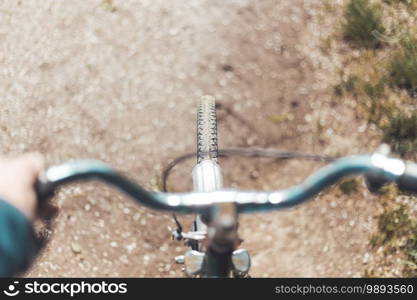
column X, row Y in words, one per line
column 214, row 239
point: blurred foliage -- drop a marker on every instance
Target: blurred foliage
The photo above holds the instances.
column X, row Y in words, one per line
column 393, row 224
column 347, row 86
column 348, row 186
column 410, row 268
column 408, row 2
column 356, row 86
column 109, row 6
column 403, row 66
column 279, row 118
column 401, row 133
column 377, row 87
column 371, row 96
column 362, row 19
column 397, row 232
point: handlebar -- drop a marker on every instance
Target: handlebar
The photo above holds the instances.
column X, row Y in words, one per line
column 387, row 169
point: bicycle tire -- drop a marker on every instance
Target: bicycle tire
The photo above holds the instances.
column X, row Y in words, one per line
column 207, row 147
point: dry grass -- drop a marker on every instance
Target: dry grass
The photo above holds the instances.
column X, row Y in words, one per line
column 381, row 77
column 362, row 20
column 401, row 133
column 403, row 66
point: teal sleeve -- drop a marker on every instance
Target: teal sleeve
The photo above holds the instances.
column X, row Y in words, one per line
column 17, row 240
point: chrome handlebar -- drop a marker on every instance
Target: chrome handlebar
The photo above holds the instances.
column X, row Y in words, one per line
column 377, row 165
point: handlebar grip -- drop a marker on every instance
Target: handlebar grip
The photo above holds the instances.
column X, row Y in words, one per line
column 408, row 181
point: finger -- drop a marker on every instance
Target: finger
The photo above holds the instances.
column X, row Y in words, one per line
column 34, row 162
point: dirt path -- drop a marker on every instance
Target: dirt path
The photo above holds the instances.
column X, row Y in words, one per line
column 121, row 82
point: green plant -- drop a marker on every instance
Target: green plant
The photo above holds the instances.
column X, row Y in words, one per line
column 380, row 111
column 410, row 268
column 408, row 2
column 108, row 5
column 397, row 233
column 401, row 133
column 347, row 86
column 394, row 223
column 349, row 186
column 374, row 91
column 372, row 97
column 362, row 21
column 403, row 66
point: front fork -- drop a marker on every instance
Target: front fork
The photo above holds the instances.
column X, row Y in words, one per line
column 214, row 253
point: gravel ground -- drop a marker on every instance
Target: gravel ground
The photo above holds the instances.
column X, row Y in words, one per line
column 119, row 81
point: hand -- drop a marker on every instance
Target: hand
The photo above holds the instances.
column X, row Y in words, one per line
column 17, row 179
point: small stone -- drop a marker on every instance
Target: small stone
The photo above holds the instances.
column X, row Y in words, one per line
column 254, row 174
column 76, row 248
column 366, row 259
column 131, row 247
